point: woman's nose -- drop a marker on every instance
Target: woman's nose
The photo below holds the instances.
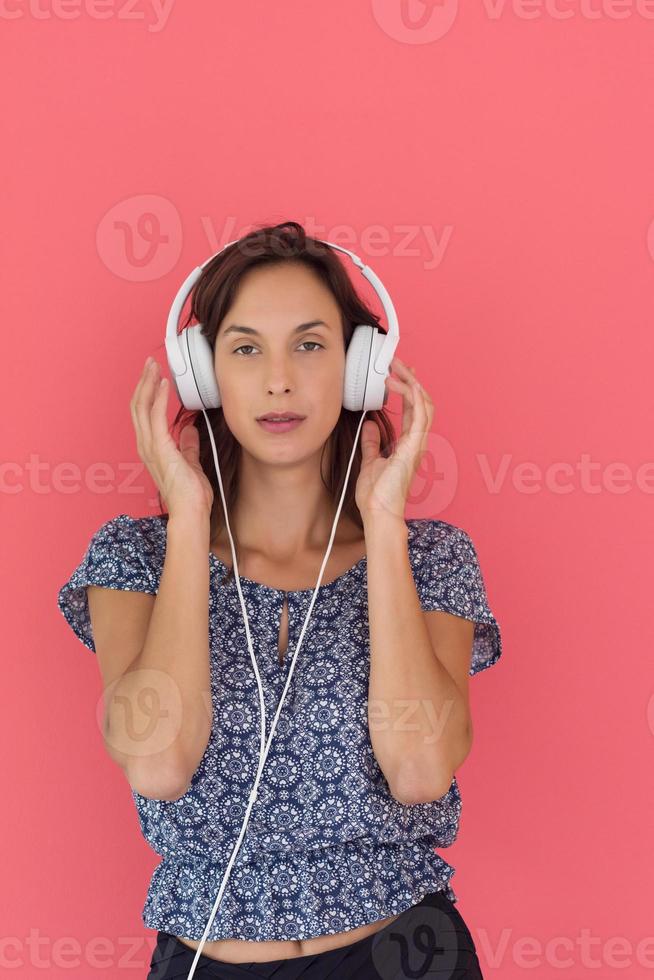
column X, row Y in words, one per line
column 279, row 377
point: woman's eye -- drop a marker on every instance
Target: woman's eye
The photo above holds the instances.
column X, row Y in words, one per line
column 251, row 347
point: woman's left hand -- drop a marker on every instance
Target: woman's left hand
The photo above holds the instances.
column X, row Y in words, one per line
column 384, row 482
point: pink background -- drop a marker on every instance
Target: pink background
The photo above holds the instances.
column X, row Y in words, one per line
column 520, row 140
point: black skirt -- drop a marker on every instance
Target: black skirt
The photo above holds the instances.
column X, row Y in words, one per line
column 429, row 940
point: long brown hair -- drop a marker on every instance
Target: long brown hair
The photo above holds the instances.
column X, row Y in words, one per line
column 211, row 298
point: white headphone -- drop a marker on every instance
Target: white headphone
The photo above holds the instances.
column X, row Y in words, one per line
column 191, row 362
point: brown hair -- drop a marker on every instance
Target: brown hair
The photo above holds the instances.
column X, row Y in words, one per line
column 211, row 298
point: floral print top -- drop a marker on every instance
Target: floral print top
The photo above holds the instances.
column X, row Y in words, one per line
column 327, row 847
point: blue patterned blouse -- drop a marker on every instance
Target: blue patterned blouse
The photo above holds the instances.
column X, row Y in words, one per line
column 327, row 847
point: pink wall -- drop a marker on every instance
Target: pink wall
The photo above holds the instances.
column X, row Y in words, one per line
column 494, row 165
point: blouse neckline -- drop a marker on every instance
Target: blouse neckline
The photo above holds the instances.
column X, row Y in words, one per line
column 269, row 588
column 328, row 586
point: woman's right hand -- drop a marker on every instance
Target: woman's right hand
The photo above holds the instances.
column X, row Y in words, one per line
column 177, row 473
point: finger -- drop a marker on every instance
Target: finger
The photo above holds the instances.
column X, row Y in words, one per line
column 402, row 370
column 145, row 374
column 137, row 390
column 422, row 423
column 409, row 374
column 370, row 441
column 402, row 387
column 189, row 443
column 415, row 427
column 408, row 412
column 408, row 398
column 148, row 368
column 158, row 414
column 397, row 363
column 143, row 406
column 424, row 391
column 422, row 400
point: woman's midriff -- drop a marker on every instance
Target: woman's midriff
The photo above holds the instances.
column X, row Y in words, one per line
column 246, row 951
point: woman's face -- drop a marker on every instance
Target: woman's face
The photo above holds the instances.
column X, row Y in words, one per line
column 278, row 364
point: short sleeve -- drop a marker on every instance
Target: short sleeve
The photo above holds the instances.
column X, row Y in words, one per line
column 124, row 553
column 448, row 578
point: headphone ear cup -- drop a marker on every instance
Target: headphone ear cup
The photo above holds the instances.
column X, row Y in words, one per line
column 363, row 387
column 357, row 359
column 197, row 387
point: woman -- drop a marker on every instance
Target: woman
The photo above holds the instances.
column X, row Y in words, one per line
column 338, row 870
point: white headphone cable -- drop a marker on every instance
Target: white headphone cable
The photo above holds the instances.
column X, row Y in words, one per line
column 293, row 656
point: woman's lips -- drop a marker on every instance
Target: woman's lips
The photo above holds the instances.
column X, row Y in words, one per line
column 270, row 426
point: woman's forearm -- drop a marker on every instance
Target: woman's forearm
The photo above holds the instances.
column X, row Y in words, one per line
column 160, row 711
column 416, row 714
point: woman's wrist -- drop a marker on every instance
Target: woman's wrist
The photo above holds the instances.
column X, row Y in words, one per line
column 191, row 523
column 380, row 523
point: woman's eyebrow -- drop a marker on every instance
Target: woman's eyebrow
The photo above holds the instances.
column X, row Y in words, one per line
column 237, row 328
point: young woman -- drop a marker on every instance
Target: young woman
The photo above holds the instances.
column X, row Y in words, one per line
column 338, row 873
